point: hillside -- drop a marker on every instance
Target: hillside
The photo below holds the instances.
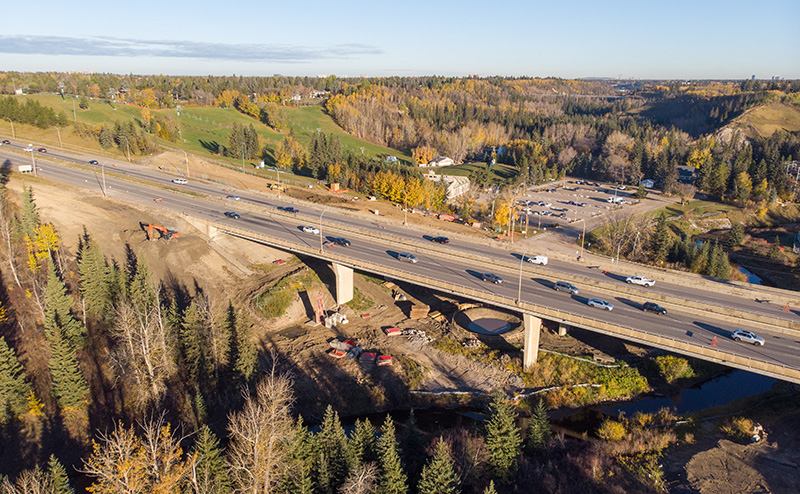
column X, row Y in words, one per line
column 766, row 119
column 202, row 128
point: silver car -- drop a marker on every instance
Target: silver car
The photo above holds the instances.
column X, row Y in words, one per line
column 600, row 304
column 747, row 337
column 405, row 256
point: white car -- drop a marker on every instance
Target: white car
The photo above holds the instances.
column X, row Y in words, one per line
column 640, row 280
column 541, row 260
column 311, row 230
column 600, row 304
column 180, row 181
column 747, row 337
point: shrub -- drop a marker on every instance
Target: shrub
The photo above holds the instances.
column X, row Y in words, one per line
column 673, row 368
column 738, row 427
column 611, row 430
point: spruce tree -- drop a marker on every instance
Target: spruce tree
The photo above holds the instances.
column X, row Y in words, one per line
column 392, row 478
column 735, row 236
column 361, row 446
column 332, row 443
column 193, row 344
column 14, row 390
column 503, row 439
column 299, row 479
column 539, row 428
column 57, row 306
column 775, row 249
column 95, row 280
column 68, row 385
column 211, row 475
column 58, row 476
column 438, row 476
column 661, row 239
column 244, row 354
column 29, row 215
column 411, row 445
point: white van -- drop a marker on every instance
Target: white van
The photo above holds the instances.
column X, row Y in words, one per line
column 617, row 200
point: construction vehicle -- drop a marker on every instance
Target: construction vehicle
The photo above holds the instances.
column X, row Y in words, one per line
column 168, row 234
column 277, row 187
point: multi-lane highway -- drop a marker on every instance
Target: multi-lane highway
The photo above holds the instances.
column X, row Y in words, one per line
column 460, row 263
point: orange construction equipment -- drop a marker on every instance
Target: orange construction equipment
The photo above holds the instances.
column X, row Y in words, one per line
column 168, row 234
column 714, row 342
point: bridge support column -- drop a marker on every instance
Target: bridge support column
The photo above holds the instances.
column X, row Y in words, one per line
column 530, row 345
column 344, row 283
column 562, row 329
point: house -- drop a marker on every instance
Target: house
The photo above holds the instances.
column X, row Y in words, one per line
column 648, row 184
column 442, row 161
column 455, row 185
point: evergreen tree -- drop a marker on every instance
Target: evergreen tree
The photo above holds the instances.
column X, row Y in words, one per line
column 775, row 249
column 700, row 258
column 490, row 488
column 361, row 446
column 661, row 239
column 438, row 476
column 244, row 354
column 14, row 390
column 68, row 385
column 539, row 428
column 95, row 279
column 300, row 480
column 58, row 476
column 57, row 305
column 735, row 236
column 193, row 345
column 210, row 472
column 412, row 444
column 29, row 215
column 332, row 444
column 106, row 137
column 503, row 439
column 392, row 478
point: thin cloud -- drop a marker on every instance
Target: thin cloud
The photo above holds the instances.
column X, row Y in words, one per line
column 124, row 47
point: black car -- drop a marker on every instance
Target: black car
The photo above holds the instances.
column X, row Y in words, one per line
column 492, row 278
column 440, row 240
column 42, row 150
column 341, row 241
column 93, row 162
column 289, row 209
column 653, row 307
column 231, row 214
column 6, row 141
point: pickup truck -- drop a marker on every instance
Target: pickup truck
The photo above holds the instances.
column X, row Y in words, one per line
column 640, row 280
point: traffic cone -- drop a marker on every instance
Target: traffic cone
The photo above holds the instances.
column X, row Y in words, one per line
column 714, row 342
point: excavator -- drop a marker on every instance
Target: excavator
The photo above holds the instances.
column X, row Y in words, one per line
column 168, row 234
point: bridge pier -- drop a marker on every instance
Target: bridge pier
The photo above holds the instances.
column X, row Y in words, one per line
column 344, row 283
column 562, row 329
column 530, row 345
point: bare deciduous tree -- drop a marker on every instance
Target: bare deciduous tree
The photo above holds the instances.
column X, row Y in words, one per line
column 260, row 434
column 361, row 480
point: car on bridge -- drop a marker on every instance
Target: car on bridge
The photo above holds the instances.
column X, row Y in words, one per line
column 235, row 198
column 440, row 240
column 563, row 286
column 42, row 150
column 180, row 181
column 310, row 229
column 600, row 304
column 640, row 280
column 288, row 209
column 6, row 141
column 493, row 278
column 747, row 337
column 232, row 214
column 341, row 241
column 540, row 260
column 93, row 162
column 405, row 256
column 653, row 307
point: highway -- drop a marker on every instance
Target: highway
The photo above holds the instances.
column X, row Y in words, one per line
column 460, row 263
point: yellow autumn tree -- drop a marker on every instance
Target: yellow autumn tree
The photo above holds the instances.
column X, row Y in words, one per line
column 226, row 98
column 423, row 154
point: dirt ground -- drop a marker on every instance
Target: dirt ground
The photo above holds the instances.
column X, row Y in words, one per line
column 236, row 269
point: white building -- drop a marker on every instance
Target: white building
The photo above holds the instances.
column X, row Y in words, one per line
column 648, row 184
column 455, row 185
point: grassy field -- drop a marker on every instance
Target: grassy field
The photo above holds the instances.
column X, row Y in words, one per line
column 767, row 119
column 499, row 173
column 203, row 128
column 697, row 208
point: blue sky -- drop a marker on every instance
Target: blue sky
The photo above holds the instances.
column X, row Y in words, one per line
column 679, row 39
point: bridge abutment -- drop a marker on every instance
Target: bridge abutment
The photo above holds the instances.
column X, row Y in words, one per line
column 530, row 345
column 563, row 329
column 344, row 283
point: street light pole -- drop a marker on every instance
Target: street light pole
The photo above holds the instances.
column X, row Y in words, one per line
column 186, row 157
column 60, row 144
column 103, row 171
column 33, row 160
column 583, row 236
column 519, row 290
column 320, row 229
column 405, row 209
column 13, row 134
column 243, row 158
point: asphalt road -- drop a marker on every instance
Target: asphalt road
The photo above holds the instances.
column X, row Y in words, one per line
column 133, row 183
